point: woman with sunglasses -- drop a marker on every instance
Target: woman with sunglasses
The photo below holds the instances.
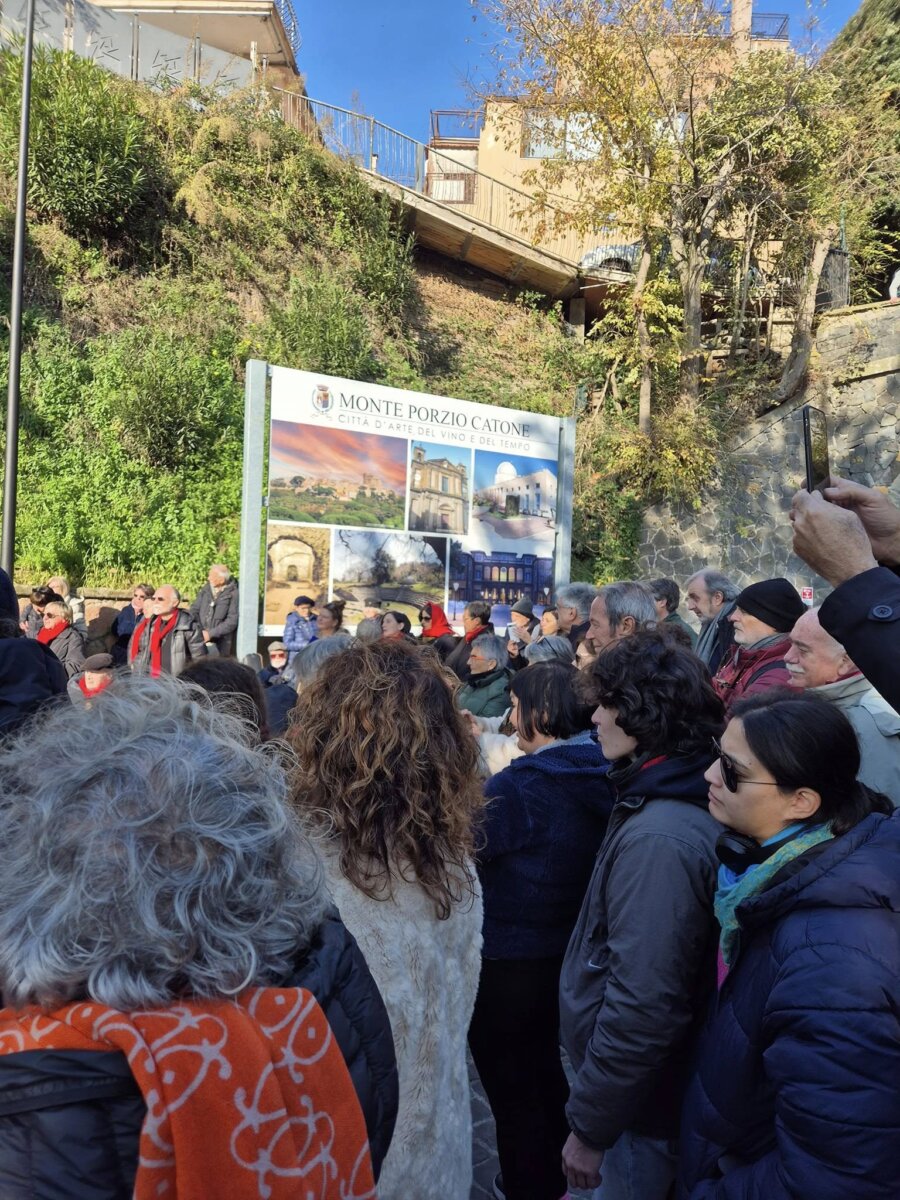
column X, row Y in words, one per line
column 127, row 620
column 795, row 1092
column 436, row 630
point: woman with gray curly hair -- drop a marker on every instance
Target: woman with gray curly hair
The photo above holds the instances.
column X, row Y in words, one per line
column 170, row 961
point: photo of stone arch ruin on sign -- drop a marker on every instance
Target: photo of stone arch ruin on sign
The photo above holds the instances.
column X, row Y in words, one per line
column 297, row 559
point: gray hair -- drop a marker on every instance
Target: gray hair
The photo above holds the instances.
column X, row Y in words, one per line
column 148, row 852
column 715, row 581
column 308, row 662
column 553, row 646
column 368, row 630
column 60, row 609
column 222, row 570
column 627, row 598
column 492, row 646
column 579, row 596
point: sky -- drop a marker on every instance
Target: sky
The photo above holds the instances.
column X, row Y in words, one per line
column 487, row 462
column 322, row 453
column 399, row 59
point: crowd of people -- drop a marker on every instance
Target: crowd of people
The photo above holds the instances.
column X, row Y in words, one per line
column 254, row 915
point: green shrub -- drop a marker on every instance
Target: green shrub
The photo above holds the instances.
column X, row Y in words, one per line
column 93, row 163
column 322, row 327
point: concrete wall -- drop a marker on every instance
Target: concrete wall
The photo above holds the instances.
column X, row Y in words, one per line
column 741, row 524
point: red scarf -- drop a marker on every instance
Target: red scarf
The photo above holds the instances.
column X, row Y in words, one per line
column 107, row 680
column 439, row 623
column 157, row 633
column 48, row 632
column 254, row 1091
column 474, row 633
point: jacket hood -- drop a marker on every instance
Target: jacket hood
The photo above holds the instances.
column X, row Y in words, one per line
column 675, row 777
column 580, row 765
column 857, row 870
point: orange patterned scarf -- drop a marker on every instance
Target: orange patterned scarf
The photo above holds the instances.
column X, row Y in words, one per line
column 255, row 1092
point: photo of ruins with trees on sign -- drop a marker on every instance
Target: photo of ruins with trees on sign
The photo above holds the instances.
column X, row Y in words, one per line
column 395, row 570
column 336, row 477
column 296, row 565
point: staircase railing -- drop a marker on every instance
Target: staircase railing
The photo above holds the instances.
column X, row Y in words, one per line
column 448, row 178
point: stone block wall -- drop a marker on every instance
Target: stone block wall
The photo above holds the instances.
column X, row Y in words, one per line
column 741, row 522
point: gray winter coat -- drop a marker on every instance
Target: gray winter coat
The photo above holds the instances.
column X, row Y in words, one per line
column 640, row 966
column 185, row 642
column 68, row 647
column 218, row 614
column 877, row 727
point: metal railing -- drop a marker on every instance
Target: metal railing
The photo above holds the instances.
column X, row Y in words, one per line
column 456, row 124
column 447, row 178
column 291, row 26
column 770, row 25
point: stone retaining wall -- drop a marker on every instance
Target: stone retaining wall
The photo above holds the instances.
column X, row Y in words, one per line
column 741, row 525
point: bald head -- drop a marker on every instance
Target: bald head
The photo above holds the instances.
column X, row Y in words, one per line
column 815, row 658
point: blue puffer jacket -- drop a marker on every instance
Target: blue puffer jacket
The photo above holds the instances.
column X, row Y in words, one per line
column 796, row 1091
column 545, row 820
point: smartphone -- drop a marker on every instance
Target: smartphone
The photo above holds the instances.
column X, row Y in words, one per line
column 815, row 445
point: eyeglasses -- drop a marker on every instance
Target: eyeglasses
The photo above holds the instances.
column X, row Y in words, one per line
column 728, row 767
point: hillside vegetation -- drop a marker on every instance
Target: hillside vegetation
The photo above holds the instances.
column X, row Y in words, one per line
column 171, row 237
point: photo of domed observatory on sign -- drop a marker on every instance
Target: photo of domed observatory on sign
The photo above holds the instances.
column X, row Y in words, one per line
column 439, row 480
column 514, row 503
column 327, row 476
column 297, row 561
column 390, row 570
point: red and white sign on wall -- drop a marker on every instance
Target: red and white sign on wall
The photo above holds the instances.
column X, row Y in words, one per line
column 806, row 595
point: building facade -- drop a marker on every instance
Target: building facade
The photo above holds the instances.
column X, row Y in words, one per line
column 501, row 577
column 532, row 495
column 438, row 495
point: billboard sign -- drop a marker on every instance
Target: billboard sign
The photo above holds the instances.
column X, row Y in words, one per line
column 382, row 495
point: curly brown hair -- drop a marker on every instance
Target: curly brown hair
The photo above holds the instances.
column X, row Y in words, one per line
column 388, row 767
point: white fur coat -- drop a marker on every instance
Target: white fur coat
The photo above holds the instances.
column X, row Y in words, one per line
column 427, row 972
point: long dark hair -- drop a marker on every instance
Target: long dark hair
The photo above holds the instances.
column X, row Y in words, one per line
column 661, row 691
column 805, row 741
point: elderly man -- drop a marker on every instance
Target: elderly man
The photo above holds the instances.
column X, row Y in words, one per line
column 618, row 610
column 573, row 611
column 820, row 664
column 167, row 639
column 476, row 620
column 850, row 534
column 711, row 596
column 216, row 609
column 486, row 692
column 763, row 616
column 96, row 675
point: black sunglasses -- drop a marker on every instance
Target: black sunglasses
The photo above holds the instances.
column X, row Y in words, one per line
column 730, row 777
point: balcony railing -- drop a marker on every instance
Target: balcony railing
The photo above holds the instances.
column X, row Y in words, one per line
column 770, row 25
column 291, row 26
column 456, row 124
column 445, row 179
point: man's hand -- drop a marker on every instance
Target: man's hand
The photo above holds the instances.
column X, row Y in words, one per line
column 832, row 540
column 513, row 648
column 880, row 518
column 473, row 723
column 581, row 1164
column 206, row 637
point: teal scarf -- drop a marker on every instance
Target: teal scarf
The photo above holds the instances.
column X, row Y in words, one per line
column 753, row 881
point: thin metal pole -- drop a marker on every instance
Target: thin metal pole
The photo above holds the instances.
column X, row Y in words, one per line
column 11, row 469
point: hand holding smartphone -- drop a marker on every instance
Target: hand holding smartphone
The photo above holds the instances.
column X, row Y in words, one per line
column 815, row 445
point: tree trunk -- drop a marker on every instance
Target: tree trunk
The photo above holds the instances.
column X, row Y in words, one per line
column 797, row 363
column 691, row 361
column 740, row 305
column 645, row 348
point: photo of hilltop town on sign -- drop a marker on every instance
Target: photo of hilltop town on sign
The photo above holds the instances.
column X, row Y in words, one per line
column 514, row 504
column 324, row 476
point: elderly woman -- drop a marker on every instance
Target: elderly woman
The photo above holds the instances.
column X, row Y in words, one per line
column 128, row 619
column 170, row 962
column 387, row 771
column 60, row 634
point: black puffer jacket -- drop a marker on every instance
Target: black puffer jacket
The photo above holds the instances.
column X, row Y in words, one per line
column 70, row 1121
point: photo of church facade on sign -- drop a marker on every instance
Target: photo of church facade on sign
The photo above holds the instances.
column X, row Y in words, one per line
column 439, row 479
column 297, row 563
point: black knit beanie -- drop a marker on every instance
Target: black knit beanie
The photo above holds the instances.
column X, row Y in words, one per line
column 775, row 601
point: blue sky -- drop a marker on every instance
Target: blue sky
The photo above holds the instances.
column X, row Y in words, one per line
column 402, row 58
column 487, row 462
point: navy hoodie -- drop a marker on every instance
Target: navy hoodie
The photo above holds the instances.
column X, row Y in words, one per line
column 545, row 820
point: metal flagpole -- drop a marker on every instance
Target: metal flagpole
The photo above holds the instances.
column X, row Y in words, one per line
column 11, row 470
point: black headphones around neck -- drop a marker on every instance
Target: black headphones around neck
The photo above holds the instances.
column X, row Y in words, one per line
column 738, row 851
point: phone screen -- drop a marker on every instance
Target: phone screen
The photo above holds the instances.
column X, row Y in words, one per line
column 815, row 436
